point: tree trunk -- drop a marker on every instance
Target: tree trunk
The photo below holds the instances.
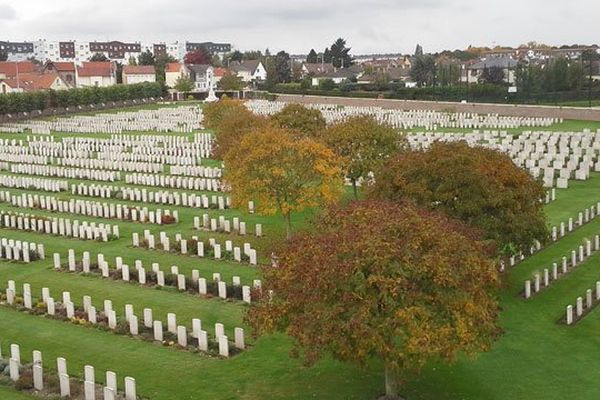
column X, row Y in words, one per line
column 288, row 226
column 355, row 189
column 392, row 383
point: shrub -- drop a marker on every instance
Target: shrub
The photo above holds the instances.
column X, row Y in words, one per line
column 167, row 219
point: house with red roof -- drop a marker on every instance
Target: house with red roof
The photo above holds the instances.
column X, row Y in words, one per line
column 96, row 73
column 138, row 74
column 10, row 69
column 30, row 82
column 174, row 71
column 66, row 70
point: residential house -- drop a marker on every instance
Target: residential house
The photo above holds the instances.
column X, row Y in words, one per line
column 10, row 69
column 138, row 74
column 508, row 66
column 66, row 70
column 338, row 76
column 29, row 82
column 315, row 69
column 249, row 70
column 173, row 71
column 96, row 73
column 203, row 77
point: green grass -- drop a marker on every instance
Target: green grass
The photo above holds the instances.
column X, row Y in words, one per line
column 536, row 358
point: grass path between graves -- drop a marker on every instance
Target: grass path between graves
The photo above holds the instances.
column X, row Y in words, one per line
column 535, row 358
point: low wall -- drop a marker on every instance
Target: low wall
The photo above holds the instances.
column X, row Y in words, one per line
column 516, row 110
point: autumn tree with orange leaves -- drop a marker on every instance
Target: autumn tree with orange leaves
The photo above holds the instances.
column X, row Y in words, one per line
column 281, row 173
column 478, row 186
column 363, row 145
column 382, row 280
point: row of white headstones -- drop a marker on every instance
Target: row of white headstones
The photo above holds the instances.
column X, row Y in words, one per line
column 109, row 391
column 58, row 226
column 197, row 334
column 180, row 281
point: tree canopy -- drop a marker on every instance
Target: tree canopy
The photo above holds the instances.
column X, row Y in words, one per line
column 99, row 57
column 146, row 58
column 423, row 70
column 183, row 84
column 340, row 54
column 281, row 173
column 305, row 122
column 384, row 280
column 363, row 145
column 200, row 56
column 230, row 81
column 312, row 57
column 479, row 186
column 492, row 75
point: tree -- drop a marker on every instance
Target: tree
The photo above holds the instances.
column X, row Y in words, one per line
column 418, row 50
column 216, row 113
column 200, row 56
column 160, row 65
column 340, row 56
column 381, row 280
column 479, row 186
column 304, row 122
column 281, row 173
column 230, row 81
column 99, row 57
column 312, row 57
column 278, row 69
column 363, row 145
column 234, row 127
column 493, row 75
column 423, row 70
column 327, row 56
column 236, row 56
column 326, row 84
column 146, row 58
column 3, row 55
column 119, row 71
column 184, row 84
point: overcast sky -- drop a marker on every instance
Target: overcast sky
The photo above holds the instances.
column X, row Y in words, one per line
column 369, row 26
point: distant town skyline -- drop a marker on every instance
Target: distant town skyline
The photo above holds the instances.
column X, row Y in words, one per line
column 375, row 26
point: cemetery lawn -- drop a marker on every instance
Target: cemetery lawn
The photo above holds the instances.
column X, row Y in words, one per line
column 536, row 358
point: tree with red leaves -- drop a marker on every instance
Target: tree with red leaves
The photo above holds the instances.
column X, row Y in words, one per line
column 382, row 280
column 200, row 56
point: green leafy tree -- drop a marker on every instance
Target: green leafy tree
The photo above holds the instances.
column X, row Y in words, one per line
column 99, row 57
column 418, row 50
column 327, row 55
column 382, row 280
column 146, row 58
column 493, row 75
column 160, row 66
column 230, row 81
column 340, row 54
column 278, row 69
column 479, row 186
column 326, row 84
column 236, row 56
column 363, row 145
column 423, row 70
column 304, row 122
column 312, row 57
column 184, row 84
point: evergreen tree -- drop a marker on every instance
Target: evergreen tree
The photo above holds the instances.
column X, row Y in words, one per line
column 312, row 57
column 340, row 54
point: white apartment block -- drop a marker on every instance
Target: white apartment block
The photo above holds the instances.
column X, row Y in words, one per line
column 81, row 51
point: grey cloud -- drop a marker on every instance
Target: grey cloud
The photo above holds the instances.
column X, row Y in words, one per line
column 368, row 25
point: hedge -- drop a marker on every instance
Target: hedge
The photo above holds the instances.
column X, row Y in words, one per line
column 12, row 103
